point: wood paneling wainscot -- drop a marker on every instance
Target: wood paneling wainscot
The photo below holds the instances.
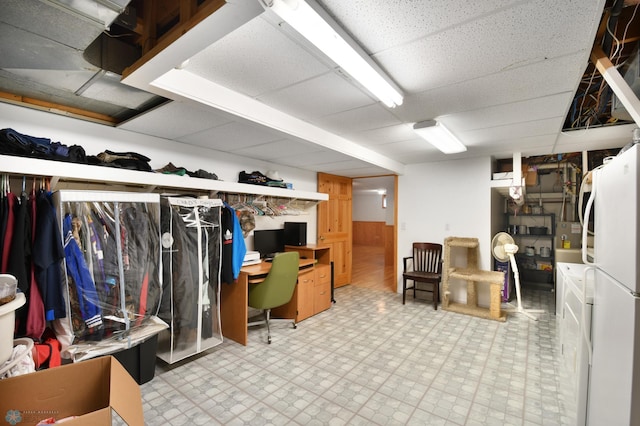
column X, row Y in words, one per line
column 369, row 233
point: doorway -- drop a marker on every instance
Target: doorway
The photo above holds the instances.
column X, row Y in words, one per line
column 374, row 233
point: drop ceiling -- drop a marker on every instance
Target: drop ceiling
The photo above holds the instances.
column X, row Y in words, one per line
column 502, row 74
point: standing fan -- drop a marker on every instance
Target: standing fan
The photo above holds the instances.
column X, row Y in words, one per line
column 504, row 248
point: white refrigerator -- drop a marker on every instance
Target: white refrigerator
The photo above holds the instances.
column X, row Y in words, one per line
column 614, row 377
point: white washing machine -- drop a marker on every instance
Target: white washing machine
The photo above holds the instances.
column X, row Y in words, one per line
column 573, row 316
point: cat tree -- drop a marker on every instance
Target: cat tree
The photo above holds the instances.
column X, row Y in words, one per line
column 473, row 275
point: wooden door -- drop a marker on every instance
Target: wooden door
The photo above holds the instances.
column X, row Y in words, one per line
column 335, row 224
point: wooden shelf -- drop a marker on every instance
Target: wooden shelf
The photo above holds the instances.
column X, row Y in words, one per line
column 82, row 173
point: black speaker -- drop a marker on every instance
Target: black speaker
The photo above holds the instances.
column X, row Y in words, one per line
column 295, row 233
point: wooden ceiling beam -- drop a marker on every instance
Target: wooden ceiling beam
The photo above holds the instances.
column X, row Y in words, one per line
column 155, row 44
column 57, row 108
column 149, row 19
column 617, row 83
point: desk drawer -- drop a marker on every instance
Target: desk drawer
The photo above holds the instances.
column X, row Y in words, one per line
column 322, row 297
column 323, row 274
column 306, row 277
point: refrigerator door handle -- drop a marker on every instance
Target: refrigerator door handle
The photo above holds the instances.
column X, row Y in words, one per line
column 583, row 323
column 585, row 225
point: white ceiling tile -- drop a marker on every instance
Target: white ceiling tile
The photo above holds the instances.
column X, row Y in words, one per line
column 343, row 166
column 510, row 132
column 231, row 136
column 529, row 145
column 415, row 145
column 423, row 156
column 317, row 97
column 381, row 24
column 356, row 172
column 359, row 119
column 388, row 134
column 255, row 59
column 515, row 112
column 595, row 138
column 500, row 73
column 175, row 120
column 321, row 157
column 279, row 149
column 527, row 33
column 533, row 81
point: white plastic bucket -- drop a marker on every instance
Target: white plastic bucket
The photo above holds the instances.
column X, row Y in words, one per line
column 7, row 323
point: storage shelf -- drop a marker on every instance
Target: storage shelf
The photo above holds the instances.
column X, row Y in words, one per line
column 535, row 257
column 533, row 235
column 529, row 265
column 73, row 172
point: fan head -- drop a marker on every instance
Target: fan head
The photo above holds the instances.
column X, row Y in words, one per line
column 502, row 245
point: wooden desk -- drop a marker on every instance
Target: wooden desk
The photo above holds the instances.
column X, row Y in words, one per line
column 314, row 292
column 234, row 299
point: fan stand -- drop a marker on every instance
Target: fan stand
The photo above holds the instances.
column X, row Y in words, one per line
column 516, row 276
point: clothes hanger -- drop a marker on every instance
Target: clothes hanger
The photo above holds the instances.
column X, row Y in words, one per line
column 103, row 213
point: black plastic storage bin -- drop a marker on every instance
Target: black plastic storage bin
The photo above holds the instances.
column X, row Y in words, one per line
column 140, row 360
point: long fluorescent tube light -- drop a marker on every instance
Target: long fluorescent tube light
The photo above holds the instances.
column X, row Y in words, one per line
column 314, row 24
column 439, row 136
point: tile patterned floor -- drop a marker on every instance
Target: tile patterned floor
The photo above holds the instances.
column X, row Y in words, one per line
column 369, row 360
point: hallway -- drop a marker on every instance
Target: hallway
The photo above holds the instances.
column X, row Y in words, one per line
column 369, row 269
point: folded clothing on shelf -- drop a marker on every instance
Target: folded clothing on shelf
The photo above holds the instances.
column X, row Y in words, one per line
column 255, row 178
column 258, row 178
column 170, row 169
column 15, row 143
column 123, row 160
column 203, row 174
column 181, row 171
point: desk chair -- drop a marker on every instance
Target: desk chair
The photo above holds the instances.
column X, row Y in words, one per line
column 426, row 268
column 276, row 289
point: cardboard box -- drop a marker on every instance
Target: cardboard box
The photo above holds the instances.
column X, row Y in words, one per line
column 530, row 176
column 88, row 389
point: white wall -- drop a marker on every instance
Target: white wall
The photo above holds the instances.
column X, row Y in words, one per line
column 448, row 198
column 367, row 207
column 96, row 138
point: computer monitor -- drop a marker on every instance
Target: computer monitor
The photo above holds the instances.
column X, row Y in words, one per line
column 268, row 242
column 295, row 233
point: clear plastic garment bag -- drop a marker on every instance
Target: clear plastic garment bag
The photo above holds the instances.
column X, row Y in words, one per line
column 111, row 270
column 191, row 251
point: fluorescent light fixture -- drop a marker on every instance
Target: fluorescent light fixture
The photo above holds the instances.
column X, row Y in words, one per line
column 439, row 136
column 314, row 24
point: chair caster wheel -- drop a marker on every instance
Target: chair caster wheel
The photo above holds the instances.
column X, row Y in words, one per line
column 295, row 326
column 269, row 341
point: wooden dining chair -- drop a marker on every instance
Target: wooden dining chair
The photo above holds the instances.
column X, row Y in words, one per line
column 424, row 268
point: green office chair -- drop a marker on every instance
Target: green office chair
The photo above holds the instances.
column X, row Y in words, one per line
column 277, row 288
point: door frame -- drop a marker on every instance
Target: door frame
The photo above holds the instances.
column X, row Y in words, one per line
column 394, row 254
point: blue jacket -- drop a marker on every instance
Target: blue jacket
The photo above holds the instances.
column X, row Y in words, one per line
column 85, row 287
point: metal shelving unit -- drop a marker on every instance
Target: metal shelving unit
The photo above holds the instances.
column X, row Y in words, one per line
column 536, row 254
